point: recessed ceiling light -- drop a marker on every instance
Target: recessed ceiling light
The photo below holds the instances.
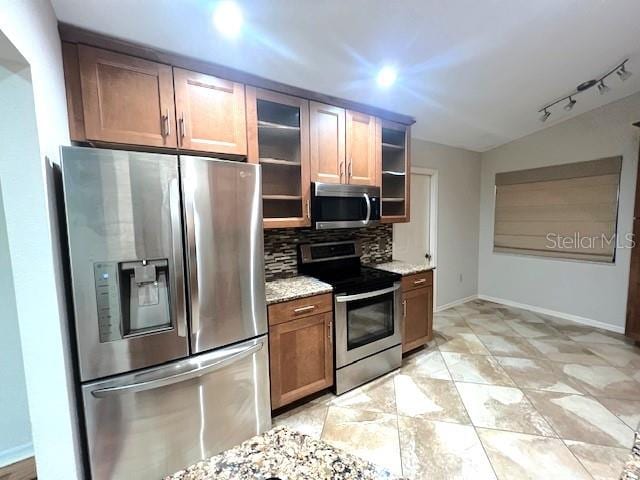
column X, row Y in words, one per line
column 227, row 17
column 387, row 76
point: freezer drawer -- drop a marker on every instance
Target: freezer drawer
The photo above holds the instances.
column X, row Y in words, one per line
column 225, row 259
column 152, row 423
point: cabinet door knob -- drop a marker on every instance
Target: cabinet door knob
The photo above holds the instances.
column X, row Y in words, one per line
column 166, row 124
column 182, row 125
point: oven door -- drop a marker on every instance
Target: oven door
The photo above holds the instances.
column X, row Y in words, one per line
column 344, row 206
column 367, row 323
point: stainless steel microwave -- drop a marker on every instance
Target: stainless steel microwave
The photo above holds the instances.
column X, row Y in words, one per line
column 344, row 206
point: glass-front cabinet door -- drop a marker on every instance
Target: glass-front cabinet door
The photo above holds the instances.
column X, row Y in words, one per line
column 278, row 139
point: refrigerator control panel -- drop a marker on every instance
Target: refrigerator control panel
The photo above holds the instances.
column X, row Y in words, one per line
column 108, row 301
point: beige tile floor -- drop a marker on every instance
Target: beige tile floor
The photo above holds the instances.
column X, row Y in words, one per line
column 500, row 393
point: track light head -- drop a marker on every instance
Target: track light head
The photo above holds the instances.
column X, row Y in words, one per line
column 623, row 73
column 570, row 104
column 545, row 115
column 602, row 88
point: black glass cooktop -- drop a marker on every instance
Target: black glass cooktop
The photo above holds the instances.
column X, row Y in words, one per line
column 355, row 280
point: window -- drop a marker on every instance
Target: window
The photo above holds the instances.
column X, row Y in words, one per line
column 566, row 211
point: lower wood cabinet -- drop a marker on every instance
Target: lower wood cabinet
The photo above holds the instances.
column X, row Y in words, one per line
column 300, row 353
column 417, row 303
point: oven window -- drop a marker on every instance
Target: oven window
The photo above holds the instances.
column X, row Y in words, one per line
column 341, row 209
column 369, row 320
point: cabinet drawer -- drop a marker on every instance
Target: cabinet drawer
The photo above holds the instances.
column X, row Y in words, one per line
column 418, row 280
column 302, row 307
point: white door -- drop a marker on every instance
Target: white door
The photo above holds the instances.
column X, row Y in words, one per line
column 411, row 240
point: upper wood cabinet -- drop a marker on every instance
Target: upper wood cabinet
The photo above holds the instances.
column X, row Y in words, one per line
column 126, row 99
column 363, row 149
column 211, row 113
column 396, row 172
column 278, row 139
column 345, row 146
column 327, row 143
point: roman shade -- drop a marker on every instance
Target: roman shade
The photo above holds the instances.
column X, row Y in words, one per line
column 566, row 211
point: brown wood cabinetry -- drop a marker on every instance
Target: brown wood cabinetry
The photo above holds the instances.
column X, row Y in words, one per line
column 126, row 99
column 327, row 141
column 345, row 146
column 210, row 113
column 300, row 348
column 141, row 98
column 363, row 149
column 278, row 139
column 396, row 171
column 417, row 304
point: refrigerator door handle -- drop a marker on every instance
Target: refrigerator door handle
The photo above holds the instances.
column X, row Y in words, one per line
column 199, row 371
column 192, row 254
column 178, row 274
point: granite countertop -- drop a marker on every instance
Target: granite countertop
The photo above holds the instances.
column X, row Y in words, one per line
column 283, row 454
column 403, row 268
column 295, row 287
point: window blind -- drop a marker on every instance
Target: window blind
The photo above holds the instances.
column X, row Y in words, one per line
column 566, row 211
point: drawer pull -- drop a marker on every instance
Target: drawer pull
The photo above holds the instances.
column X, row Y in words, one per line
column 418, row 282
column 308, row 308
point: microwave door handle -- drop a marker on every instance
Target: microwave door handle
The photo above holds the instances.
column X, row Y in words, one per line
column 361, row 296
column 178, row 377
column 368, row 201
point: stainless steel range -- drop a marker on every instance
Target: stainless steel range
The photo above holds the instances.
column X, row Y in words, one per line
column 367, row 309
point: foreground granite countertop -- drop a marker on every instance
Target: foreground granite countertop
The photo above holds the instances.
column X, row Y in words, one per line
column 295, row 287
column 403, row 268
column 283, row 454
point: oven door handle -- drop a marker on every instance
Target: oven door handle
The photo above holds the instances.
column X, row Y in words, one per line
column 368, row 200
column 361, row 296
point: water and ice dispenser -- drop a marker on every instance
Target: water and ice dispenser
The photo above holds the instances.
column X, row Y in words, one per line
column 132, row 298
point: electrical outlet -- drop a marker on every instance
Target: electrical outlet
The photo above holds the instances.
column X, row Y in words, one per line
column 460, row 277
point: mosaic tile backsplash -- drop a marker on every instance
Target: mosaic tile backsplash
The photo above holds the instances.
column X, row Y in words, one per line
column 281, row 246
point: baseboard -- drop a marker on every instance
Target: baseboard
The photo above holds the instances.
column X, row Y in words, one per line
column 455, row 303
column 16, row 454
column 545, row 311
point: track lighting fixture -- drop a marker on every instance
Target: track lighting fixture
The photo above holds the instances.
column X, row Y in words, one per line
column 623, row 73
column 570, row 105
column 603, row 88
column 545, row 115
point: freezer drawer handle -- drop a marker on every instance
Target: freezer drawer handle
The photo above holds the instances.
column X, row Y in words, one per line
column 360, row 296
column 180, row 377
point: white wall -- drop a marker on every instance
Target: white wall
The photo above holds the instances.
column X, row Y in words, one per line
column 594, row 292
column 31, row 26
column 458, row 217
column 15, row 429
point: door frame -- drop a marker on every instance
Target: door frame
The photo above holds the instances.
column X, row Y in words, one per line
column 433, row 218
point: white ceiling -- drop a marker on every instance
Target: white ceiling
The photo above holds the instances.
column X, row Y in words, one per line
column 473, row 73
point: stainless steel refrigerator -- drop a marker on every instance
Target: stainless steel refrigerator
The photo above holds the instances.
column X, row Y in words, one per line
column 171, row 342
